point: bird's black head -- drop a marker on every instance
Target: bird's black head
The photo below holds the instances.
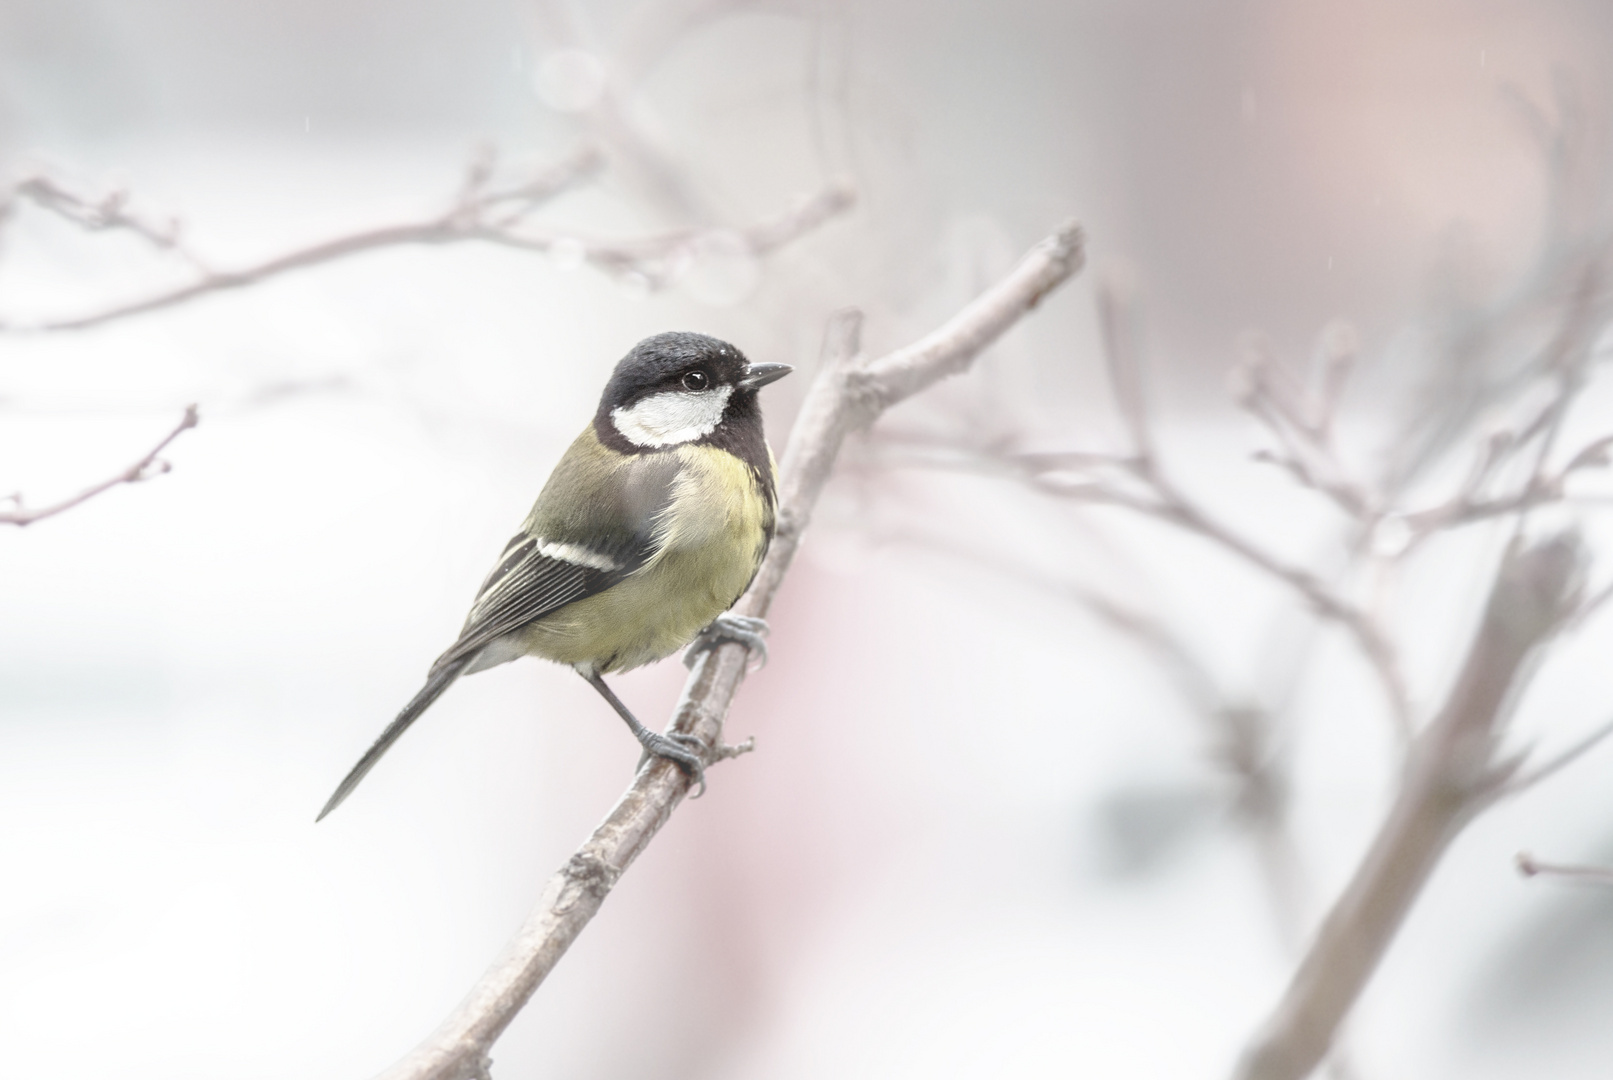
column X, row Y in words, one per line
column 675, row 362
column 679, row 387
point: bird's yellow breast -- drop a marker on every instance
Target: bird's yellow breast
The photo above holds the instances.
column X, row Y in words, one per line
column 710, row 540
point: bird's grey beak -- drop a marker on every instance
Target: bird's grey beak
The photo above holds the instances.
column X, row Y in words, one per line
column 759, row 375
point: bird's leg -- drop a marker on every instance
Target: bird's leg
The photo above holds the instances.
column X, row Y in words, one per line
column 679, row 747
column 749, row 632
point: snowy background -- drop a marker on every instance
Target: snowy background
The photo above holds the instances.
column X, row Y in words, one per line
column 981, row 835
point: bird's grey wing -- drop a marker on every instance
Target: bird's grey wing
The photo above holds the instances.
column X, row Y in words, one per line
column 529, row 584
column 553, row 562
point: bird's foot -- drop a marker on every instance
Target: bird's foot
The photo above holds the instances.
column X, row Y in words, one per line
column 747, row 631
column 681, row 748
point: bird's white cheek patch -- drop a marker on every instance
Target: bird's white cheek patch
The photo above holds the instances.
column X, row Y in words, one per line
column 672, row 417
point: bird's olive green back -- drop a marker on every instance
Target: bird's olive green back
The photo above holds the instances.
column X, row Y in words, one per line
column 603, row 500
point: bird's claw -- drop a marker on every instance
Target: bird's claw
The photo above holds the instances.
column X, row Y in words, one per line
column 683, row 749
column 743, row 629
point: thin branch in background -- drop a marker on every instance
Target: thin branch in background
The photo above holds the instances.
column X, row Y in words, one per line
column 1468, row 506
column 1302, row 425
column 657, row 262
column 1590, row 607
column 1301, row 419
column 1564, row 364
column 1567, row 357
column 480, row 210
column 1529, row 866
column 845, row 397
column 108, row 213
column 144, row 469
column 494, row 213
column 1523, row 781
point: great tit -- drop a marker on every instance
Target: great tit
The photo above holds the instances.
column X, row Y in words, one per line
column 649, row 529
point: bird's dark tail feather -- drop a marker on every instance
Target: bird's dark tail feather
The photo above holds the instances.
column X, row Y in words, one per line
column 441, row 678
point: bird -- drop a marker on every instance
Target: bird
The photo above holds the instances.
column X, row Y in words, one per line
column 651, row 526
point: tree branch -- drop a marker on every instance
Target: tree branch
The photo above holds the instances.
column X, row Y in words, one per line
column 844, row 397
column 1523, row 781
column 1301, row 419
column 109, row 213
column 481, row 211
column 1451, row 777
column 139, row 472
column 1529, row 866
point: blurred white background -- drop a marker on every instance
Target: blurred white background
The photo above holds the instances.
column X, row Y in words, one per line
column 981, row 834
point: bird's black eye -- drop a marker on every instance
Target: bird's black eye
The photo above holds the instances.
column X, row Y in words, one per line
column 696, row 380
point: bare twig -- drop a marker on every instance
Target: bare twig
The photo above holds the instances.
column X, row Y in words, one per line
column 1577, row 283
column 478, row 212
column 1523, row 781
column 1468, row 507
column 481, row 211
column 1590, row 607
column 1452, row 776
column 1529, row 866
column 1302, row 418
column 843, row 398
column 142, row 470
column 659, row 260
column 109, row 213
column 1564, row 363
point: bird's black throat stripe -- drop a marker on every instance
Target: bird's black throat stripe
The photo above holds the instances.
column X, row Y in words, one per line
column 740, row 434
